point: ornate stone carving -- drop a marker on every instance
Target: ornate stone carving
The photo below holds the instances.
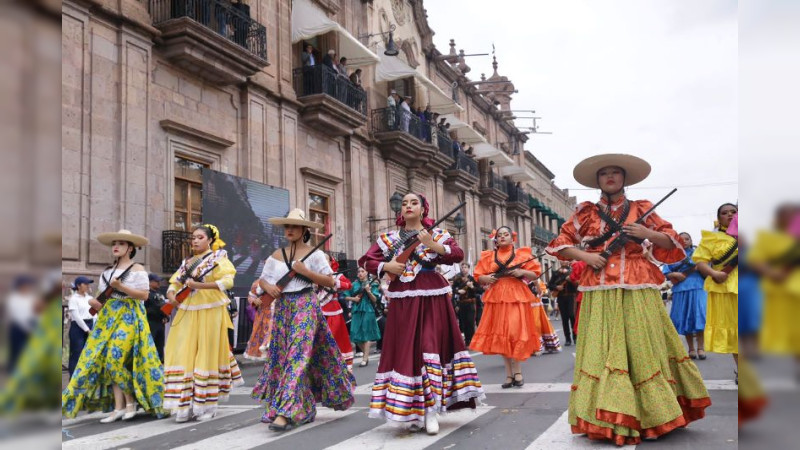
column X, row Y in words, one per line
column 399, row 10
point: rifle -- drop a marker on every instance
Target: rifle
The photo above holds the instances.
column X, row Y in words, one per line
column 413, row 242
column 623, row 237
column 108, row 291
column 266, row 299
column 184, row 292
column 505, row 272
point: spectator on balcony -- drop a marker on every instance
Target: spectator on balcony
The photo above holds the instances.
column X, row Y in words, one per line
column 307, row 57
column 405, row 112
column 391, row 108
column 329, row 59
column 329, row 77
column 355, row 78
column 456, row 146
column 424, row 130
column 441, row 124
column 241, row 25
column 342, row 66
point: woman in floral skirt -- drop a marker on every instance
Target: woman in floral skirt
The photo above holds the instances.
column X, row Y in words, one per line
column 119, row 365
column 304, row 366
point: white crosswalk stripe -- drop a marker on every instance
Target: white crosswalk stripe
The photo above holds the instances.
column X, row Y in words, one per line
column 133, row 433
column 559, row 437
column 247, row 433
column 390, row 437
column 259, row 434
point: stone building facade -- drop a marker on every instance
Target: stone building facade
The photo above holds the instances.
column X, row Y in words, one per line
column 154, row 90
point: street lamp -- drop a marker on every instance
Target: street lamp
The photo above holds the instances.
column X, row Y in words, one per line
column 395, row 203
column 391, row 47
column 459, row 222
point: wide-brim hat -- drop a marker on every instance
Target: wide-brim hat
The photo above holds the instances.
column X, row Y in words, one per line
column 636, row 169
column 122, row 235
column 295, row 217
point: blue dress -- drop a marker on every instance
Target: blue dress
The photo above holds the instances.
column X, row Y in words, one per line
column 688, row 312
column 750, row 299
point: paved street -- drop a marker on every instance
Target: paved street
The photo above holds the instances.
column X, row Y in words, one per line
column 531, row 417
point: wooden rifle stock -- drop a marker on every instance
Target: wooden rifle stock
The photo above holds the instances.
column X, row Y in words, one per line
column 184, row 292
column 403, row 257
column 267, row 299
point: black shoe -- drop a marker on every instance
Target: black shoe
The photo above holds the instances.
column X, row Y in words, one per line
column 509, row 384
column 520, row 382
column 285, row 427
column 568, row 343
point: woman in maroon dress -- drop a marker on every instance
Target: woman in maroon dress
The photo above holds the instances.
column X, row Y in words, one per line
column 422, row 344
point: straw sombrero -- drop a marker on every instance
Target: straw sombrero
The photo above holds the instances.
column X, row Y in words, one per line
column 636, row 169
column 122, row 235
column 295, row 217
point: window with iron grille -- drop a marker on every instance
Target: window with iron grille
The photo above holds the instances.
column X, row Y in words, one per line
column 188, row 207
column 319, row 211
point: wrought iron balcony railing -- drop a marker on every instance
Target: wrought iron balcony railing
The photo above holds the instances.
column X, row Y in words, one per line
column 231, row 21
column 398, row 119
column 321, row 79
column 445, row 145
column 466, row 164
column 517, row 194
column 175, row 246
column 497, row 182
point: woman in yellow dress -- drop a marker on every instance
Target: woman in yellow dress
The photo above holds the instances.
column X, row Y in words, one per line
column 775, row 255
column 716, row 254
column 199, row 367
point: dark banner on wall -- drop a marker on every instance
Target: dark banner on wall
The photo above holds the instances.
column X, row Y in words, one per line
column 240, row 209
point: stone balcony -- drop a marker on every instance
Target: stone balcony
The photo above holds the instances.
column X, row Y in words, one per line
column 463, row 174
column 212, row 39
column 517, row 203
column 444, row 157
column 331, row 103
column 403, row 139
column 493, row 190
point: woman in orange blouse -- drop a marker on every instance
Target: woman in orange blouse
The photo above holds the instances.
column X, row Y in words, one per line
column 633, row 377
column 508, row 326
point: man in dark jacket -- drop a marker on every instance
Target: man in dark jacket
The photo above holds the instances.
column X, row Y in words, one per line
column 565, row 290
column 466, row 291
column 155, row 317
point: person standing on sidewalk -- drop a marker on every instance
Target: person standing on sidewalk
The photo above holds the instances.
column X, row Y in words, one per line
column 565, row 291
column 467, row 289
column 81, row 320
column 155, row 317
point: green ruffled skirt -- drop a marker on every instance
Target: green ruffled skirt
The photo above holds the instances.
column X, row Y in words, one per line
column 633, row 377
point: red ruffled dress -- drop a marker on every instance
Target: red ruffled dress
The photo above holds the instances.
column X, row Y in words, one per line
column 425, row 366
column 332, row 310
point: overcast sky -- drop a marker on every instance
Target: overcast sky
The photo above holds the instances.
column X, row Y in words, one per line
column 657, row 79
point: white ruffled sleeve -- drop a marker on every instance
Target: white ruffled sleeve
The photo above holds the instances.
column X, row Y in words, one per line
column 270, row 272
column 319, row 263
column 138, row 280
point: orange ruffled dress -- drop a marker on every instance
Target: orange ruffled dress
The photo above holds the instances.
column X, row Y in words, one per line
column 508, row 326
